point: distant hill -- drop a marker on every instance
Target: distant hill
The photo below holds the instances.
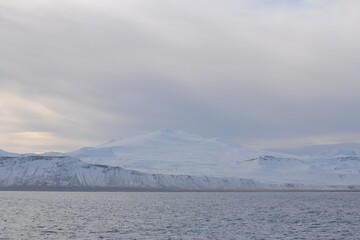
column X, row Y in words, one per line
column 176, row 152
column 51, row 172
column 4, row 153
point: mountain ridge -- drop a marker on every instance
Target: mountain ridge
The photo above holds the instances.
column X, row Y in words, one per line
column 161, row 155
column 61, row 172
column 176, row 152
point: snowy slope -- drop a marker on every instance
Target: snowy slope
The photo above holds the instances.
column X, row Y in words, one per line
column 170, row 152
column 4, row 153
column 175, row 152
column 64, row 171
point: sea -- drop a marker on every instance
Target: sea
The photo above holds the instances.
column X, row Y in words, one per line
column 179, row 215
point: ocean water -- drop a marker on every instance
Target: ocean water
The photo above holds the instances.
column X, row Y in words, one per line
column 180, row 215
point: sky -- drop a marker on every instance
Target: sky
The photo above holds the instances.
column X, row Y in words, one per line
column 262, row 73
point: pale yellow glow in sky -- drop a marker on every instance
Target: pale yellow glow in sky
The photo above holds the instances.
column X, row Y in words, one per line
column 12, row 122
column 23, row 142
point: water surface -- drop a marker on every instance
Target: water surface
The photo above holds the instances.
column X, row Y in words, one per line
column 180, row 215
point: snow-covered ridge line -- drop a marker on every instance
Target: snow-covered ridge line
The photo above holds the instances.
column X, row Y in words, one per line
column 176, row 152
column 165, row 153
column 4, row 153
column 63, row 171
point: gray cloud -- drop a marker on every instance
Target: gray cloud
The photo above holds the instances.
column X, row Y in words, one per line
column 251, row 71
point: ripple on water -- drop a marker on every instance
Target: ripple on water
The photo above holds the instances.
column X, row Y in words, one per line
column 80, row 215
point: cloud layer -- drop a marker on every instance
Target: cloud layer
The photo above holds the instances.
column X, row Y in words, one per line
column 80, row 72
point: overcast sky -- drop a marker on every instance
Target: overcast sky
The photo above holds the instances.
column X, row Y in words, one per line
column 262, row 73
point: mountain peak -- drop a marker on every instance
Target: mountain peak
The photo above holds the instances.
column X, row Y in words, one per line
column 162, row 135
column 340, row 152
column 171, row 132
column 4, row 153
column 166, row 131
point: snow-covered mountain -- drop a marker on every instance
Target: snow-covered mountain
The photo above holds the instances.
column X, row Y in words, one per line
column 337, row 153
column 4, row 153
column 60, row 171
column 170, row 152
column 176, row 152
column 169, row 159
